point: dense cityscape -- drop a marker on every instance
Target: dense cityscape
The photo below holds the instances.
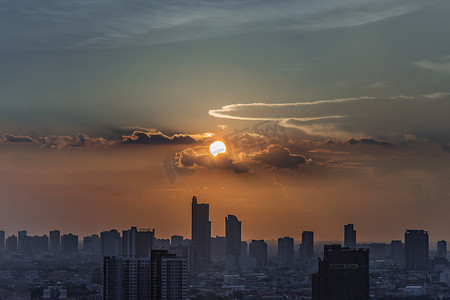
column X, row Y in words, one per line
column 135, row 264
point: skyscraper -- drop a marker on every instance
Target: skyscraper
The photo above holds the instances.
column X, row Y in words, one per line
column 398, row 252
column 168, row 276
column 69, row 244
column 286, row 256
column 349, row 236
column 233, row 235
column 201, row 232
column 11, row 244
column 55, row 242
column 110, row 242
column 343, row 274
column 126, row 278
column 2, row 241
column 258, row 249
column 307, row 245
column 137, row 242
column 442, row 249
column 416, row 250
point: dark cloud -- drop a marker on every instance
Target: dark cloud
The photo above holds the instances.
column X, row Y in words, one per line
column 191, row 159
column 278, row 157
column 158, row 138
column 16, row 139
column 368, row 141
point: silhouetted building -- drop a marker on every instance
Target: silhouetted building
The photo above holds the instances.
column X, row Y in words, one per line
column 55, row 242
column 2, row 241
column 244, row 248
column 23, row 245
column 69, row 244
column 201, row 233
column 416, row 250
column 442, row 249
column 91, row 244
column 258, row 250
column 11, row 244
column 233, row 235
column 176, row 241
column 126, row 278
column 286, row 256
column 110, row 243
column 307, row 245
column 349, row 236
column 168, row 276
column 218, row 247
column 343, row 274
column 137, row 242
column 398, row 252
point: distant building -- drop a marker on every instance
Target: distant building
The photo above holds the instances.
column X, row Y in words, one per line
column 2, row 241
column 69, row 244
column 258, row 250
column 233, row 235
column 218, row 247
column 343, row 274
column 137, row 242
column 442, row 249
column 11, row 244
column 307, row 245
column 55, row 242
column 91, row 244
column 201, row 232
column 349, row 236
column 398, row 252
column 176, row 241
column 286, row 256
column 416, row 250
column 244, row 248
column 110, row 243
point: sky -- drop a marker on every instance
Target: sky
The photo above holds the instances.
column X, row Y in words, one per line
column 332, row 111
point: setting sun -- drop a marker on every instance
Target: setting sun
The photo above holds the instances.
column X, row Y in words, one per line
column 217, row 147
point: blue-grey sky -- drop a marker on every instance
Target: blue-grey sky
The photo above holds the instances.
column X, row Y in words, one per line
column 359, row 90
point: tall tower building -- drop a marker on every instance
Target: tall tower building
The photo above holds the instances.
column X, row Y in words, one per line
column 349, row 236
column 343, row 274
column 416, row 250
column 286, row 256
column 233, row 235
column 109, row 243
column 69, row 244
column 137, row 242
column 55, row 242
column 442, row 249
column 201, row 232
column 258, row 249
column 168, row 276
column 2, row 241
column 307, row 245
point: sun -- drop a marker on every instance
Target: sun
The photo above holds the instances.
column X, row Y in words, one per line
column 217, row 147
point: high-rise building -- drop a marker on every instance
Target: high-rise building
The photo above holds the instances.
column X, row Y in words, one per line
column 11, row 244
column 2, row 241
column 442, row 249
column 343, row 274
column 258, row 250
column 137, row 242
column 168, row 276
column 349, row 236
column 286, row 256
column 398, row 252
column 233, row 235
column 244, row 248
column 110, row 243
column 201, row 232
column 23, row 245
column 176, row 241
column 307, row 245
column 218, row 247
column 91, row 244
column 55, row 242
column 416, row 250
column 126, row 278
column 69, row 244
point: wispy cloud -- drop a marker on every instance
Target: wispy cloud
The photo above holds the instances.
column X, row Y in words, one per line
column 113, row 23
column 441, row 65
